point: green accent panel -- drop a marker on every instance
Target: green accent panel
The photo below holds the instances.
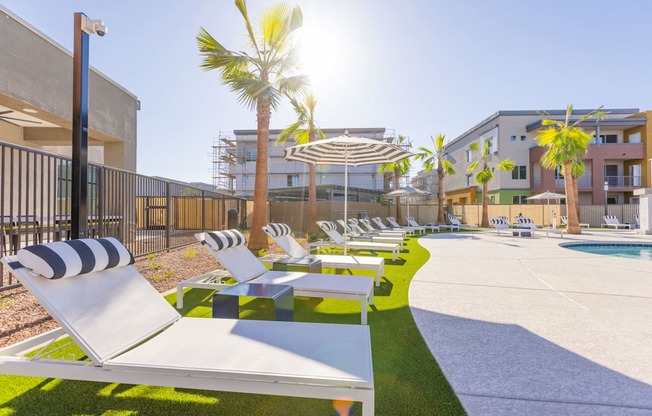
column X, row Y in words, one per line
column 504, row 196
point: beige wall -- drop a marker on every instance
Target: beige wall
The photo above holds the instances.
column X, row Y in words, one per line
column 37, row 73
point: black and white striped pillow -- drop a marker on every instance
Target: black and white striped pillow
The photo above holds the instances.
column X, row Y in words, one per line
column 277, row 229
column 74, row 257
column 221, row 240
column 327, row 225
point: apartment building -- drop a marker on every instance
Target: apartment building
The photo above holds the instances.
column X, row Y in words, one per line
column 36, row 99
column 237, row 155
column 428, row 182
column 617, row 156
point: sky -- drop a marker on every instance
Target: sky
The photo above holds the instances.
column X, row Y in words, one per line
column 417, row 68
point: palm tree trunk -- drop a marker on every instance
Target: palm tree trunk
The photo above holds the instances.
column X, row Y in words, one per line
column 311, row 227
column 576, row 192
column 257, row 237
column 573, row 226
column 485, row 202
column 440, row 196
column 397, row 184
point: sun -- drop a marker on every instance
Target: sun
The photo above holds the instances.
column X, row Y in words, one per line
column 321, row 53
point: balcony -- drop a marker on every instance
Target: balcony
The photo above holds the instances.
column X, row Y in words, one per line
column 584, row 182
column 623, row 181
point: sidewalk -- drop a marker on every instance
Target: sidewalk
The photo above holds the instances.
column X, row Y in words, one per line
column 521, row 326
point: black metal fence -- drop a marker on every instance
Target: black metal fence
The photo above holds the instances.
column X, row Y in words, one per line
column 147, row 214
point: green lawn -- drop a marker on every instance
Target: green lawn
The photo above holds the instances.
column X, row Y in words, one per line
column 408, row 381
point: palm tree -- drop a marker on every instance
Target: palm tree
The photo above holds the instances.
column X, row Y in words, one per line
column 305, row 130
column 398, row 169
column 486, row 173
column 260, row 79
column 567, row 144
column 444, row 167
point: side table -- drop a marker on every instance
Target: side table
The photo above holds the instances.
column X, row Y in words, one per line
column 226, row 302
column 308, row 263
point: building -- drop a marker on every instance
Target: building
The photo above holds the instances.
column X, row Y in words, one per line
column 235, row 156
column 616, row 156
column 428, row 182
column 36, row 99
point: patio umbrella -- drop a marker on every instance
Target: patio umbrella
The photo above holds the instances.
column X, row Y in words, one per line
column 547, row 196
column 408, row 192
column 347, row 151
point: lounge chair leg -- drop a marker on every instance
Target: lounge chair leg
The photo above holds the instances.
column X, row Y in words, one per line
column 179, row 296
column 363, row 312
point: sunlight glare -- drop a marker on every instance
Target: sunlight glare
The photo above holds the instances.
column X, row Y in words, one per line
column 321, row 56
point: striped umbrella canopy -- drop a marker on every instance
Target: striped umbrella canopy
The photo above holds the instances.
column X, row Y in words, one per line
column 348, row 151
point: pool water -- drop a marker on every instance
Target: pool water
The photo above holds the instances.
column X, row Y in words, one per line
column 628, row 250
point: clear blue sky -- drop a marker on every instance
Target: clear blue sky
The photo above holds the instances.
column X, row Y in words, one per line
column 418, row 67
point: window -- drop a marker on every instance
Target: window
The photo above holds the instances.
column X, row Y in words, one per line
column 523, row 138
column 250, row 155
column 293, row 180
column 490, row 143
column 519, row 172
column 512, row 138
column 492, row 199
column 606, row 138
column 469, row 156
column 558, row 173
column 634, row 138
column 519, row 199
column 468, row 180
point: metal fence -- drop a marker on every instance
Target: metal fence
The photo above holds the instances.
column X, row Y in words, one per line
column 147, row 214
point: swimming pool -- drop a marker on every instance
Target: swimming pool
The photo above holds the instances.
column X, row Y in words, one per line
column 628, row 250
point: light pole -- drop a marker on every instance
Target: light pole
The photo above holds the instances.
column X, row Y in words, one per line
column 79, row 216
column 606, row 188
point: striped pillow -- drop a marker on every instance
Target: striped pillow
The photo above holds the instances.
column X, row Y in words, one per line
column 74, row 257
column 221, row 240
column 277, row 229
column 327, row 225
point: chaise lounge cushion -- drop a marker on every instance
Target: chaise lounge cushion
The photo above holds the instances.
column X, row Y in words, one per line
column 75, row 257
column 278, row 229
column 240, row 269
column 221, row 240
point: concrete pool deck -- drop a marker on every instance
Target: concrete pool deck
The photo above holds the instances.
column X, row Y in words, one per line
column 522, row 326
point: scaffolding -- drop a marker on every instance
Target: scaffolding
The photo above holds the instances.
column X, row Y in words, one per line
column 224, row 156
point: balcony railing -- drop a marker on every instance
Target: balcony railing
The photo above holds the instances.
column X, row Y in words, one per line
column 584, row 182
column 623, row 181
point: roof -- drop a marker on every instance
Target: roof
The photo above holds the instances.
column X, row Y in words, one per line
column 608, row 122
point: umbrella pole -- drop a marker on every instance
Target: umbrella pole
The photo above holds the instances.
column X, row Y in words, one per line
column 346, row 192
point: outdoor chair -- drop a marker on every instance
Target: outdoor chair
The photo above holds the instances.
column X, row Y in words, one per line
column 367, row 224
column 564, row 221
column 355, row 233
column 528, row 223
column 228, row 247
column 130, row 334
column 413, row 223
column 368, row 229
column 337, row 240
column 412, row 230
column 500, row 223
column 282, row 236
column 452, row 219
column 613, row 221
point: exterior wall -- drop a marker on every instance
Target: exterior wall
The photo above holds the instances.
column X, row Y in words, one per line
column 646, row 139
column 244, row 170
column 36, row 73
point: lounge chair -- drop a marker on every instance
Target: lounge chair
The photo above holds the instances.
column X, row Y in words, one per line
column 564, row 221
column 282, row 236
column 337, row 240
column 228, row 247
column 430, row 227
column 131, row 335
column 500, row 223
column 452, row 219
column 414, row 230
column 367, row 224
column 613, row 221
column 379, row 223
column 528, row 223
column 355, row 233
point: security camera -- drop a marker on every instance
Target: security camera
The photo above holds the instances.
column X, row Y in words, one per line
column 94, row 26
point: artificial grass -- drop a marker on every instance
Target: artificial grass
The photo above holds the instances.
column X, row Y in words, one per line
column 407, row 379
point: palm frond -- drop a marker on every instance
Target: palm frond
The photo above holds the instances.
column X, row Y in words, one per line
column 473, row 166
column 449, row 169
column 506, row 165
column 242, row 6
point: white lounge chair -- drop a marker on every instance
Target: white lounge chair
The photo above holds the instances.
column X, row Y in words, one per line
column 379, row 223
column 337, row 240
column 500, row 223
column 131, row 335
column 564, row 221
column 282, row 235
column 430, row 227
column 414, row 230
column 361, row 226
column 354, row 234
column 613, row 221
column 452, row 219
column 228, row 247
column 367, row 224
column 528, row 223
